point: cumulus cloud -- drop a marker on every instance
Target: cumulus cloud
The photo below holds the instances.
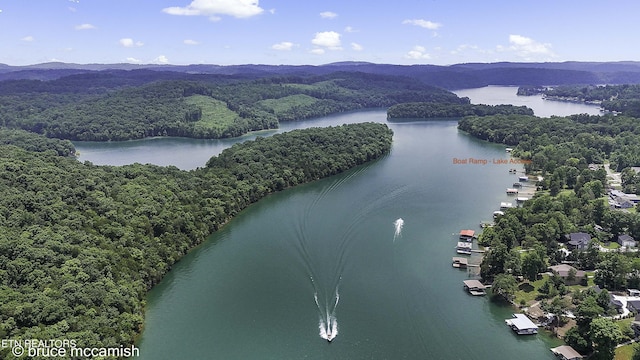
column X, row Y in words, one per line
column 133, row 60
column 423, row 23
column 417, row 53
column 328, row 15
column 84, row 27
column 285, row 45
column 28, row 38
column 356, row 47
column 527, row 48
column 317, row 51
column 128, row 42
column 327, row 39
column 190, row 42
column 213, row 8
column 161, row 60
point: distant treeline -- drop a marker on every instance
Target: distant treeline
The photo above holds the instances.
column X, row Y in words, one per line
column 109, row 107
column 80, row 245
column 624, row 99
column 560, row 143
column 426, row 110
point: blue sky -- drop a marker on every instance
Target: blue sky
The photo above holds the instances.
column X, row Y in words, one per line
column 226, row 32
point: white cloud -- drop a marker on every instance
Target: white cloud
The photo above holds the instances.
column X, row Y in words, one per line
column 133, row 60
column 190, row 42
column 350, row 29
column 84, row 27
column 28, row 38
column 161, row 60
column 327, row 39
column 328, row 15
column 317, row 51
column 418, row 52
column 423, row 23
column 528, row 48
column 128, row 42
column 356, row 47
column 213, row 8
column 285, row 45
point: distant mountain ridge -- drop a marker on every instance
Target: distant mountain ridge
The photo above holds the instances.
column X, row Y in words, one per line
column 465, row 75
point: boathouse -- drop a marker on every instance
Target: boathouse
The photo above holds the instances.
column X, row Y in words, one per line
column 467, row 235
column 566, row 352
column 522, row 325
column 475, row 287
column 460, row 262
column 512, row 191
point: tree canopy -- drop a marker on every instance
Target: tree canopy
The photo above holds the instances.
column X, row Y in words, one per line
column 80, row 245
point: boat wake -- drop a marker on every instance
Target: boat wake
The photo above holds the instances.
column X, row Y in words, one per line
column 399, row 223
column 327, row 321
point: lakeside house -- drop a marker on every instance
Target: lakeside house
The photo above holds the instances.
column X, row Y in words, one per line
column 475, row 287
column 566, row 352
column 564, row 271
column 464, row 247
column 621, row 200
column 512, row 191
column 522, row 325
column 626, row 241
column 578, row 241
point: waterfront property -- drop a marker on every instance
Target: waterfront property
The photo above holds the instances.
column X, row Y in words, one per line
column 517, row 185
column 523, row 178
column 522, row 325
column 566, row 352
column 512, row 191
column 475, row 287
column 464, row 247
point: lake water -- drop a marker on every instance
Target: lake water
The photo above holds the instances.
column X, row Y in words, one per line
column 497, row 95
column 329, row 253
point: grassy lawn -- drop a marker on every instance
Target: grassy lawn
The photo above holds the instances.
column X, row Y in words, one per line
column 215, row 113
column 528, row 291
column 288, row 102
column 625, row 352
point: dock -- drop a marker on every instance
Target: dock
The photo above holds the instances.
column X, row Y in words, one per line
column 460, row 262
column 475, row 287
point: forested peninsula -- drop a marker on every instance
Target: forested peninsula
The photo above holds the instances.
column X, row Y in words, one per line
column 120, row 105
column 80, row 245
column 430, row 110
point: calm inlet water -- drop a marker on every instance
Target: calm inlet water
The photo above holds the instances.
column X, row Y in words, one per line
column 364, row 257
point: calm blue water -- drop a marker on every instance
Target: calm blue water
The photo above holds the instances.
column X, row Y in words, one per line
column 266, row 285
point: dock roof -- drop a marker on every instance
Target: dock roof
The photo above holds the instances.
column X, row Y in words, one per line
column 474, row 284
column 567, row 352
column 467, row 233
column 522, row 322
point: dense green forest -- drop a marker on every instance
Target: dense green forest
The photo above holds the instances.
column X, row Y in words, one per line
column 80, row 245
column 426, row 110
column 103, row 107
column 527, row 239
column 623, row 99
